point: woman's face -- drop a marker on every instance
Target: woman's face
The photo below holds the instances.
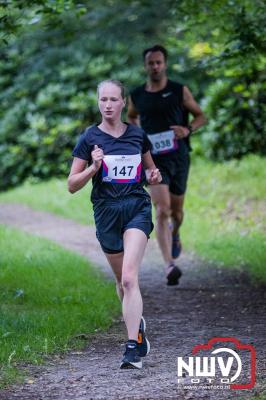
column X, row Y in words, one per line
column 110, row 101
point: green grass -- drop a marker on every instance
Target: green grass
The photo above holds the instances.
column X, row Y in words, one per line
column 54, row 197
column 48, row 296
column 225, row 218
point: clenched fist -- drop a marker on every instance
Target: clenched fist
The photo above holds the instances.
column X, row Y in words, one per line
column 153, row 176
column 97, row 157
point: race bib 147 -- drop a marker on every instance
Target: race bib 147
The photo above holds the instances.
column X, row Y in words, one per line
column 163, row 142
column 121, row 169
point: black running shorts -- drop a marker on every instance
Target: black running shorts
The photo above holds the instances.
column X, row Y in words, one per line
column 113, row 217
column 174, row 169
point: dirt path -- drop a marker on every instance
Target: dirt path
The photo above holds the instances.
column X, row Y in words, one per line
column 209, row 302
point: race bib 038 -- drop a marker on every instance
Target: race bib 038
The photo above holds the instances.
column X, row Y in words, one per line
column 121, row 169
column 163, row 142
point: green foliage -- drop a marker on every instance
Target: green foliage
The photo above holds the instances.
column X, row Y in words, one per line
column 43, row 286
column 57, row 52
column 231, row 47
column 48, row 98
column 225, row 217
column 237, row 114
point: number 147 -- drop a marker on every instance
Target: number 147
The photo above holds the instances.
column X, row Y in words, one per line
column 123, row 170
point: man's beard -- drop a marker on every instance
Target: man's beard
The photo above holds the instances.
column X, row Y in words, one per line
column 156, row 77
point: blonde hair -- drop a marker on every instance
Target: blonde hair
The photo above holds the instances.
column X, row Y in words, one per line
column 114, row 82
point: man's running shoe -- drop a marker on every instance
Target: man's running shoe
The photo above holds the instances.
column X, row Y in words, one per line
column 131, row 357
column 174, row 275
column 176, row 246
column 143, row 343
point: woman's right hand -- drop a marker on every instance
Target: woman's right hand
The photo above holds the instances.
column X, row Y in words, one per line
column 97, row 157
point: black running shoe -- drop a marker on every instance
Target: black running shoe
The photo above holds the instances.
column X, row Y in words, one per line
column 173, row 276
column 176, row 246
column 143, row 343
column 131, row 357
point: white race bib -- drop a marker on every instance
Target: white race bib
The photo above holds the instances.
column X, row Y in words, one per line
column 121, row 169
column 163, row 142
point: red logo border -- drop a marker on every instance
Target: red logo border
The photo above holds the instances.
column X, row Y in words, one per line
column 238, row 345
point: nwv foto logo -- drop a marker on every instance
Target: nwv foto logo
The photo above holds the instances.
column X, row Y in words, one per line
column 223, row 362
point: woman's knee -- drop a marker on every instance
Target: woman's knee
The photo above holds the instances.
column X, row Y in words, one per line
column 129, row 281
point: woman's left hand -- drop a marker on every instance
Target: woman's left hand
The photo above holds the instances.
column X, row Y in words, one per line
column 153, row 176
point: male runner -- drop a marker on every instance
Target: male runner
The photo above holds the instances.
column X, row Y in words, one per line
column 162, row 108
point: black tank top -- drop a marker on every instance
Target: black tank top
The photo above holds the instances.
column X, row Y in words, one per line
column 159, row 110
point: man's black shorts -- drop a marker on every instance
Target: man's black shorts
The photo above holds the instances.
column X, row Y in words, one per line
column 113, row 217
column 174, row 168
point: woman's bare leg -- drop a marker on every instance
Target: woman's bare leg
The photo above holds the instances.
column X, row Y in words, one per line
column 135, row 242
column 116, row 263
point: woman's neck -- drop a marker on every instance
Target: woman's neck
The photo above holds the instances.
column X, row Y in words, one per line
column 116, row 129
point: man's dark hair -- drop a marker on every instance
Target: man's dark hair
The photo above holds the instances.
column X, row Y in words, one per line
column 152, row 49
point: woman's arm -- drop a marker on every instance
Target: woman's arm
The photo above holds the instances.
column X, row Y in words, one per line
column 79, row 174
column 153, row 175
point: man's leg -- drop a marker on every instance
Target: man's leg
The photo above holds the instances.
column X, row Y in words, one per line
column 161, row 200
column 177, row 215
column 177, row 189
column 177, row 212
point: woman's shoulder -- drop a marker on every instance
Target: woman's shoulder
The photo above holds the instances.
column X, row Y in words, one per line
column 90, row 130
column 136, row 129
column 88, row 133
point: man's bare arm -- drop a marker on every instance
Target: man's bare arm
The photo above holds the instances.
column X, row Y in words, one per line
column 132, row 114
column 192, row 106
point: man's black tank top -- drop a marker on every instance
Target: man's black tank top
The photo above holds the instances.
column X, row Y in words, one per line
column 159, row 110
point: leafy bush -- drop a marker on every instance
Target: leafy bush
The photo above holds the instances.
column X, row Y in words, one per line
column 48, row 96
column 237, row 117
column 49, row 72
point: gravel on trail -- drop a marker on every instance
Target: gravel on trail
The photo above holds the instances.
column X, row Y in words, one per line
column 209, row 302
